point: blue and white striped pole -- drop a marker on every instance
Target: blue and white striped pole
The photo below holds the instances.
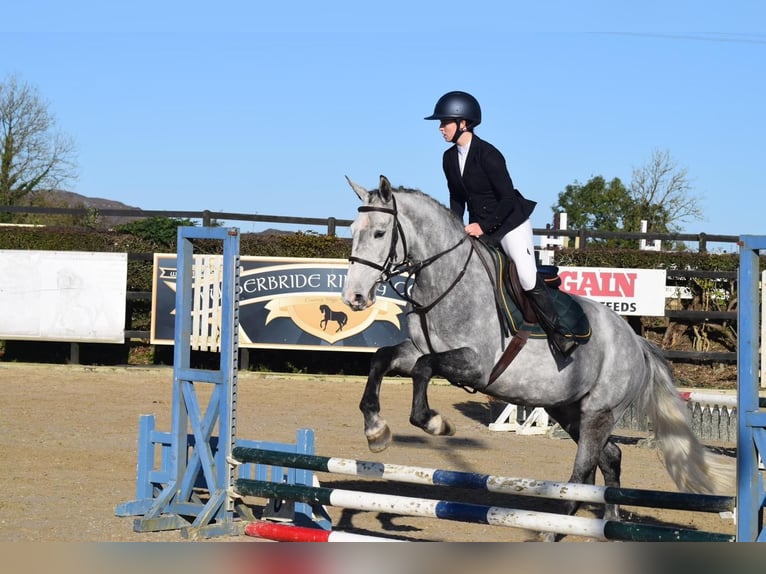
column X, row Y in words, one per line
column 489, row 483
column 474, row 513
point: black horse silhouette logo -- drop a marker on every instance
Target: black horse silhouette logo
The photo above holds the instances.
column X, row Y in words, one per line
column 329, row 315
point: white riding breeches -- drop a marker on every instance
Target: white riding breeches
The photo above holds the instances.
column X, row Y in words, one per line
column 519, row 245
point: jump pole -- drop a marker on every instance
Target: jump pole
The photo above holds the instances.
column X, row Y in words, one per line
column 288, row 533
column 475, row 513
column 490, row 483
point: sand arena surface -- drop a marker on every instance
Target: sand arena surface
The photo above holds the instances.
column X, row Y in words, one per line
column 70, row 432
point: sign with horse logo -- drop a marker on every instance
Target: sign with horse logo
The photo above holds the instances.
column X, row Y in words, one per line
column 284, row 303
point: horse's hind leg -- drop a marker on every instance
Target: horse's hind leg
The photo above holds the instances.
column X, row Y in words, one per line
column 595, row 439
column 400, row 359
column 591, row 433
column 610, row 463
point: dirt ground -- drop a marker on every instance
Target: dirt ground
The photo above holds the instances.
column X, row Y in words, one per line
column 69, row 451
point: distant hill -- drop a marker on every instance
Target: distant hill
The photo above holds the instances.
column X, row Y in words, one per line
column 272, row 231
column 61, row 198
column 72, row 199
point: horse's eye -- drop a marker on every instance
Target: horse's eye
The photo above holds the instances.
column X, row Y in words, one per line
column 379, row 234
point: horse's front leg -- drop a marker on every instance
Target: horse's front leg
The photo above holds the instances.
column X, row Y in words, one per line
column 398, row 359
column 459, row 367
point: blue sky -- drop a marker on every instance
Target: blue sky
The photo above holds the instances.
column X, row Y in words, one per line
column 264, row 107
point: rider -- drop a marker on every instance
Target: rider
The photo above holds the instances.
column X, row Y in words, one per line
column 477, row 176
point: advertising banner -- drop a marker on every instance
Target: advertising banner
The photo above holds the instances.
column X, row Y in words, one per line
column 293, row 303
column 626, row 291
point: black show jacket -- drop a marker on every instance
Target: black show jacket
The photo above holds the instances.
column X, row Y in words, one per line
column 486, row 188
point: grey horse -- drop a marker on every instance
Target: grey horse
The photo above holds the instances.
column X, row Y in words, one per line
column 455, row 333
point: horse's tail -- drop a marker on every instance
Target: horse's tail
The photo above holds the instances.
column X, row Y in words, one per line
column 688, row 462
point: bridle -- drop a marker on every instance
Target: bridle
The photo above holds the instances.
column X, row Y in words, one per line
column 392, row 268
column 389, row 268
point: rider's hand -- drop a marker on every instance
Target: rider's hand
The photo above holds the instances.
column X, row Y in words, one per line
column 474, row 229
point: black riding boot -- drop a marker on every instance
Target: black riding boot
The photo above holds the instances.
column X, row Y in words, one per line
column 548, row 318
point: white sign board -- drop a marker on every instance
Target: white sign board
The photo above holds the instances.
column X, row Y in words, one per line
column 63, row 296
column 626, row 291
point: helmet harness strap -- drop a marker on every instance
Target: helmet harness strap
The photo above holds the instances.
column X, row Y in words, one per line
column 458, row 131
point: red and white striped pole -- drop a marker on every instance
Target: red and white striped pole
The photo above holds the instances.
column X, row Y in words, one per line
column 289, row 533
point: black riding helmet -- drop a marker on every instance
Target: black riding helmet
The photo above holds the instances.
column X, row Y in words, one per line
column 457, row 106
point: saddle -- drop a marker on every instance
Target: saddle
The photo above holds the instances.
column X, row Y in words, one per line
column 517, row 314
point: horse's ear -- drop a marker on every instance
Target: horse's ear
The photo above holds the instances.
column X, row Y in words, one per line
column 360, row 191
column 385, row 188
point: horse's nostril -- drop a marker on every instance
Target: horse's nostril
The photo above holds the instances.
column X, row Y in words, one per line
column 352, row 299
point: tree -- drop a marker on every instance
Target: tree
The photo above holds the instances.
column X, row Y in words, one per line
column 659, row 193
column 162, row 230
column 34, row 156
column 595, row 205
column 662, row 195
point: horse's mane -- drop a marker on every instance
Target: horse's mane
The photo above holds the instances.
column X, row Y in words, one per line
column 439, row 206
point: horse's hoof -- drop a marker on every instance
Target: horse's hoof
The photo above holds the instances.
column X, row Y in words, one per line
column 547, row 536
column 379, row 441
column 439, row 426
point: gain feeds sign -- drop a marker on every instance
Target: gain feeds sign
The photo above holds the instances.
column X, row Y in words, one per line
column 285, row 303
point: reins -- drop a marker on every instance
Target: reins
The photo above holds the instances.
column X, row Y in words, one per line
column 413, row 267
column 390, row 268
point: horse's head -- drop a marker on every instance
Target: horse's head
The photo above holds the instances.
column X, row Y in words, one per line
column 373, row 245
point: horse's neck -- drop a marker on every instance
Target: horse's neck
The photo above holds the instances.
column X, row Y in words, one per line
column 426, row 227
column 430, row 234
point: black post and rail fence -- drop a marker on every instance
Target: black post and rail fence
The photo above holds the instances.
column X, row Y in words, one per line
column 330, row 225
